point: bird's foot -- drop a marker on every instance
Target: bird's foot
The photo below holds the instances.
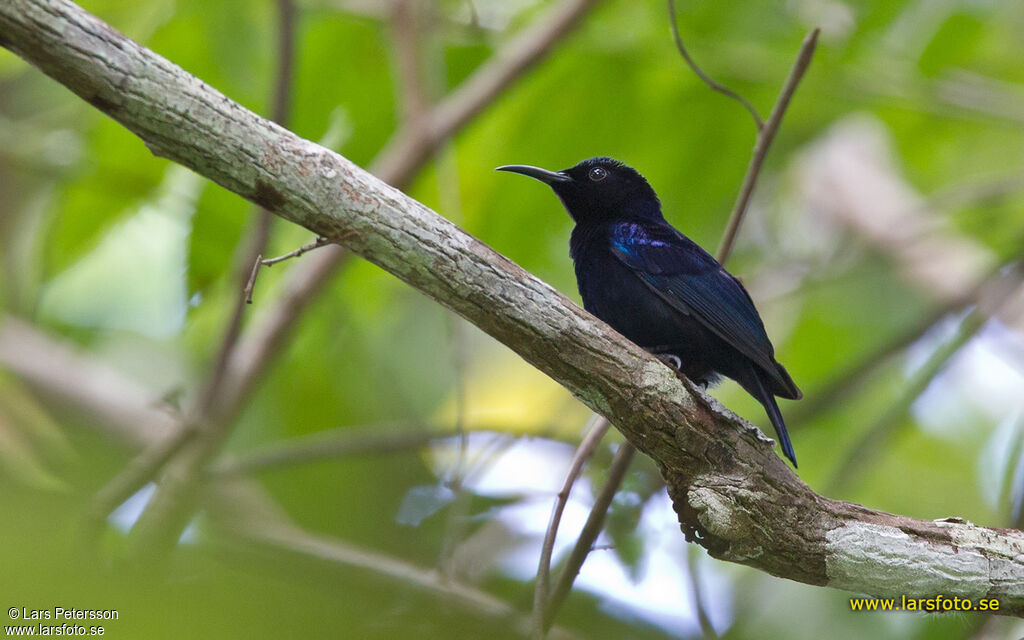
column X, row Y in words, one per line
column 672, row 361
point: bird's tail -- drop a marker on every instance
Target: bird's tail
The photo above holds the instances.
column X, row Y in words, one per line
column 767, row 398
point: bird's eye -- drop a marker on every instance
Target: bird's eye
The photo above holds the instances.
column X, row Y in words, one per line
column 598, row 173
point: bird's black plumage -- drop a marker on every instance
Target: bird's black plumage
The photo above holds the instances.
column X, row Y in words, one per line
column 659, row 288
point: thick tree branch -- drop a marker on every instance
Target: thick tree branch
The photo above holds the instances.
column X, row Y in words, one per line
column 730, row 490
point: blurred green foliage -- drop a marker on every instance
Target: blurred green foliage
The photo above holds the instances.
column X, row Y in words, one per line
column 943, row 80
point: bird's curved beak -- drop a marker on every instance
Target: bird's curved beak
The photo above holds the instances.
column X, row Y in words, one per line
column 545, row 176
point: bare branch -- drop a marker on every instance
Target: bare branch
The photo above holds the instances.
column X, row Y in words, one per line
column 139, row 471
column 592, row 529
column 328, row 445
column 765, row 137
column 703, row 76
column 406, row 32
column 459, row 508
column 699, row 606
column 281, row 100
column 251, row 284
column 411, row 147
column 259, row 232
column 333, row 552
column 730, row 490
column 598, row 428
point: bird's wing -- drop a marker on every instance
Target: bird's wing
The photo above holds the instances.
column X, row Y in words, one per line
column 693, row 282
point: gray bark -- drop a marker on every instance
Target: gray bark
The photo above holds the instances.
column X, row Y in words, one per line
column 733, row 495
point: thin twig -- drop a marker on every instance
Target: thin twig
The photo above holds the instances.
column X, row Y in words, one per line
column 586, row 449
column 592, row 529
column 249, row 286
column 693, row 575
column 271, row 331
column 295, row 253
column 703, row 76
column 281, row 100
column 258, row 236
column 459, row 507
column 765, row 137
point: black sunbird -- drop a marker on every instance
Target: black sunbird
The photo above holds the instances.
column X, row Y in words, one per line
column 660, row 289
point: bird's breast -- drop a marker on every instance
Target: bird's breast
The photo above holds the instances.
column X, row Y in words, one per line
column 613, row 293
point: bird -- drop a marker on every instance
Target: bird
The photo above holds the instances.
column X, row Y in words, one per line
column 659, row 288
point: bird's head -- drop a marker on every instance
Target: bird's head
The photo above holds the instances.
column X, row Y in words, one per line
column 598, row 190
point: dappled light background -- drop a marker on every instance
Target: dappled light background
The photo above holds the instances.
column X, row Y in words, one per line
column 877, row 249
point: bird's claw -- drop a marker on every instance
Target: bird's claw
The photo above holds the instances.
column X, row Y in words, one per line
column 672, row 361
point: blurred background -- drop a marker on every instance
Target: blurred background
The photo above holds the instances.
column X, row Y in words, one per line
column 409, row 461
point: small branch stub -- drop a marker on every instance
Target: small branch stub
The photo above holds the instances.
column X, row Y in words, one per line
column 260, row 261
